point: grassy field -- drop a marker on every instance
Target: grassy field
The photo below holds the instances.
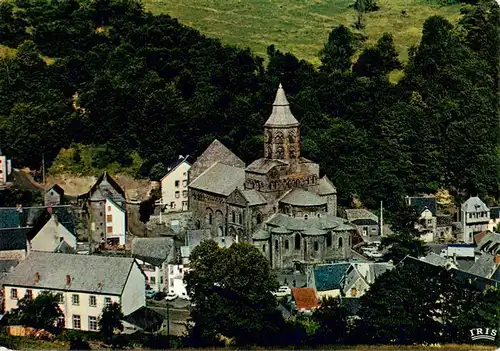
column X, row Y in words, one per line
column 300, row 26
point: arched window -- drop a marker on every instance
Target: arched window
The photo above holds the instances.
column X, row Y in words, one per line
column 292, row 152
column 220, row 231
column 329, row 240
column 209, row 216
column 316, row 246
column 291, row 137
column 276, row 244
column 259, row 218
column 297, row 241
column 233, row 217
column 349, row 241
column 240, row 218
column 269, row 151
column 278, row 139
column 269, row 137
column 264, row 248
column 280, row 154
column 305, row 217
column 286, row 244
column 340, row 243
column 198, row 224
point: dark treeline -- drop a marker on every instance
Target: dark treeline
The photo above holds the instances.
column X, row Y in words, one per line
column 149, row 84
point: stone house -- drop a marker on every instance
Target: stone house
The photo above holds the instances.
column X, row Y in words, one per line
column 85, row 284
column 54, row 196
column 366, row 223
column 238, row 203
column 174, row 186
column 475, row 218
column 154, row 256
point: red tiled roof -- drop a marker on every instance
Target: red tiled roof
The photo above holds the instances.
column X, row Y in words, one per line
column 479, row 236
column 305, row 298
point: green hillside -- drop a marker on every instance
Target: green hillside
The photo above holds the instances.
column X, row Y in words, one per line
column 300, row 26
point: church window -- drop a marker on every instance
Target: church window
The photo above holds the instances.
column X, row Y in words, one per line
column 269, row 152
column 280, row 153
column 279, row 138
column 209, row 216
column 276, row 244
column 220, row 231
column 305, row 217
column 269, row 137
column 297, row 241
column 316, row 246
column 292, row 152
column 259, row 218
column 340, row 243
column 329, row 240
column 233, row 215
column 264, row 248
column 291, row 137
column 240, row 218
column 286, row 245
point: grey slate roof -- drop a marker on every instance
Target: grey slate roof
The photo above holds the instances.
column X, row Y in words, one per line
column 377, row 269
column 435, row 259
column 7, row 265
column 326, row 187
column 220, row 179
column 300, row 197
column 474, row 204
column 13, row 239
column 87, row 272
column 353, row 214
column 314, row 231
column 326, row 222
column 253, row 197
column 264, row 165
column 484, row 266
column 490, row 243
column 176, row 164
column 280, row 230
column 281, row 115
column 152, row 250
column 145, row 318
column 64, row 247
column 261, row 234
column 420, row 203
column 364, row 222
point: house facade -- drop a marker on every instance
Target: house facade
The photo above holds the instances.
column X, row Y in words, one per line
column 176, row 283
column 366, row 223
column 174, row 186
column 5, row 169
column 154, row 256
column 84, row 285
column 239, row 203
column 116, row 223
column 475, row 218
column 51, row 235
column 426, row 207
column 54, row 196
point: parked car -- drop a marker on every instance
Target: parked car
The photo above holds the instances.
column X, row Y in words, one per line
column 171, row 296
column 376, row 255
column 283, row 291
column 185, row 296
column 150, row 294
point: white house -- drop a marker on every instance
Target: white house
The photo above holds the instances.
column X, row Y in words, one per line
column 51, row 235
column 115, row 222
column 176, row 283
column 174, row 186
column 5, row 169
column 475, row 218
column 153, row 256
column 426, row 207
column 84, row 285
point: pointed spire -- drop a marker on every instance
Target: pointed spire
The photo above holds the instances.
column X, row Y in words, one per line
column 281, row 115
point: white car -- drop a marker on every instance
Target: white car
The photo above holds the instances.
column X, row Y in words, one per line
column 171, row 296
column 376, row 255
column 185, row 296
column 283, row 291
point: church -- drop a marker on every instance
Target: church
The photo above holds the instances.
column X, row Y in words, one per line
column 278, row 203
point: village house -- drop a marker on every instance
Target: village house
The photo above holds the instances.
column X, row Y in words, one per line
column 5, row 169
column 154, row 256
column 14, row 244
column 174, row 186
column 426, row 207
column 475, row 218
column 304, row 300
column 366, row 223
column 54, row 196
column 50, row 237
column 84, row 285
column 105, row 202
column 278, row 202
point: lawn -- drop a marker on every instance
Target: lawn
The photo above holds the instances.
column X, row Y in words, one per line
column 300, row 26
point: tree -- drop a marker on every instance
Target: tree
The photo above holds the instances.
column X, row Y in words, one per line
column 338, row 50
column 12, row 25
column 110, row 320
column 366, row 5
column 231, row 291
column 406, row 238
column 379, row 60
column 332, row 319
column 40, row 313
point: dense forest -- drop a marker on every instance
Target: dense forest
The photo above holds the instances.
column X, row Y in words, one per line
column 108, row 74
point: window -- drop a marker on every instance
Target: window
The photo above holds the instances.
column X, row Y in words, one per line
column 297, row 241
column 29, row 294
column 306, row 216
column 240, row 218
column 340, row 243
column 177, row 183
column 153, row 280
column 184, row 193
column 76, row 299
column 177, row 194
column 161, row 279
column 171, row 269
column 77, row 324
column 233, row 216
column 109, row 208
column 171, row 282
column 316, row 246
column 60, row 298
column 92, row 301
column 184, row 182
column 264, row 248
column 329, row 240
column 13, row 294
column 276, row 244
column 172, row 204
column 259, row 218
column 107, row 301
column 109, row 229
column 61, row 322
column 92, row 323
column 429, row 221
column 109, row 218
column 354, row 291
column 286, row 245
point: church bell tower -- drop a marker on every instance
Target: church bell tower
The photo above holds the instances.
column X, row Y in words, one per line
column 281, row 131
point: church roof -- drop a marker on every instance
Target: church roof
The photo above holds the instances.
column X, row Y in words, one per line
column 261, row 234
column 326, row 187
column 325, row 222
column 280, row 230
column 264, row 165
column 314, row 231
column 281, row 115
column 220, row 179
column 253, row 197
column 300, row 197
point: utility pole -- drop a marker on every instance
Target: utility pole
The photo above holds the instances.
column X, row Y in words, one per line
column 381, row 219
column 43, row 177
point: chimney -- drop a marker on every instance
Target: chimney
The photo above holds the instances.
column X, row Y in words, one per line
column 37, row 277
column 56, row 220
column 497, row 260
column 68, row 279
column 99, row 286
